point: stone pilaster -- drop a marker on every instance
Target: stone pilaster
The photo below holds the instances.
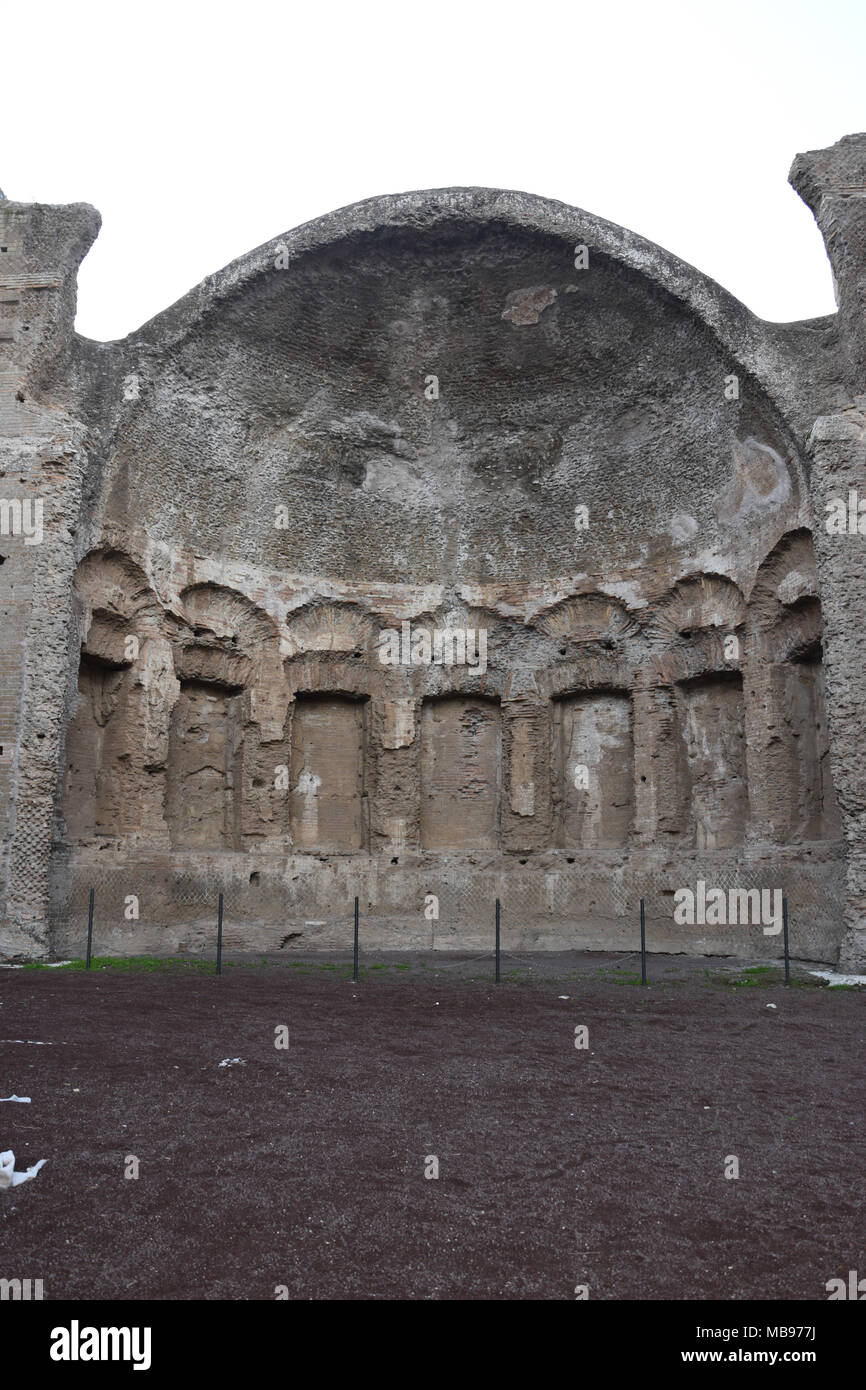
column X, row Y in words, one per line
column 526, row 799
column 833, row 184
column 42, row 467
column 838, row 448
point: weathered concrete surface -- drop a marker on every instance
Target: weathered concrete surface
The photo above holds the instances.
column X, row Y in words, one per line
column 833, row 183
column 455, row 545
column 838, row 446
column 43, row 463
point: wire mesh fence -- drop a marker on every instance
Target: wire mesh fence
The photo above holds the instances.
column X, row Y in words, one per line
column 703, row 907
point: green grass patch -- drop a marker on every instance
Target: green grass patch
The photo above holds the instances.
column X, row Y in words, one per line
column 619, row 976
column 130, row 963
column 760, row 977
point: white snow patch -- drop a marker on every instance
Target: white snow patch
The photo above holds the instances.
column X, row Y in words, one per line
column 833, row 979
column 45, row 964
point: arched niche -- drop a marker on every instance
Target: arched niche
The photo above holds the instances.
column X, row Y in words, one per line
column 593, row 753
column 787, row 677
column 224, row 648
column 460, row 773
column 691, row 712
column 106, row 782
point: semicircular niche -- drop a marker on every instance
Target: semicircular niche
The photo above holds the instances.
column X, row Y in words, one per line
column 454, row 404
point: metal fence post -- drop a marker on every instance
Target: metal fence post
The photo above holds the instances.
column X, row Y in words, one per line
column 89, row 930
column 642, row 942
column 497, row 941
column 785, row 940
column 355, row 960
column 219, row 967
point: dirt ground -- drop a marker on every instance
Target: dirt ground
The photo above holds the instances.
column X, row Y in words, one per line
column 558, row 1166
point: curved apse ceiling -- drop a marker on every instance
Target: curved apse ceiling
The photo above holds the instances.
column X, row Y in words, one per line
column 300, row 377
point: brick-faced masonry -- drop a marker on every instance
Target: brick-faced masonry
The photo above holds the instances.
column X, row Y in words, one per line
column 251, row 555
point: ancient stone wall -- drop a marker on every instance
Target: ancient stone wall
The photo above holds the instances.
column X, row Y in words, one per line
column 456, row 546
column 43, row 464
column 597, row 741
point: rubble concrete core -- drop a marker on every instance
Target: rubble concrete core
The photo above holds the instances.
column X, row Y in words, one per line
column 425, row 415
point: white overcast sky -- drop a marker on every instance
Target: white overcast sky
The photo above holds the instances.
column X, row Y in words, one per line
column 201, row 130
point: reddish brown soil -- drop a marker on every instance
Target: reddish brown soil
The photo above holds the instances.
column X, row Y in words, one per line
column 305, row 1167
